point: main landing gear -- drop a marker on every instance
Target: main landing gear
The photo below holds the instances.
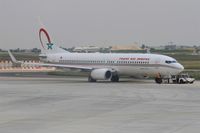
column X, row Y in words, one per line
column 115, row 78
column 158, row 80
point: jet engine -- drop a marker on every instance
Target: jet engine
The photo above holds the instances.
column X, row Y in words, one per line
column 101, row 74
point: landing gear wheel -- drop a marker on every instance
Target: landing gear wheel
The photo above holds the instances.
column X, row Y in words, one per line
column 90, row 79
column 181, row 81
column 115, row 78
column 158, row 80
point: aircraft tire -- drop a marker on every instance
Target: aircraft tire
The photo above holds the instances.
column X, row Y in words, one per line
column 158, row 80
column 115, row 78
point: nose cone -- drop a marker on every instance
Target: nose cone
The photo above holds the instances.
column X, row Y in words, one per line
column 180, row 67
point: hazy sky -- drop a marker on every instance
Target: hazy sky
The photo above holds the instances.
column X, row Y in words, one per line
column 100, row 22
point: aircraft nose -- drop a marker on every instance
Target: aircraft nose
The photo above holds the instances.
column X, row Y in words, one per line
column 180, row 67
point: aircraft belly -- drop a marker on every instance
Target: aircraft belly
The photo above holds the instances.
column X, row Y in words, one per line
column 132, row 70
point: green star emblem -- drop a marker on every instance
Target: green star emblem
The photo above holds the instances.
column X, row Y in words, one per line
column 49, row 45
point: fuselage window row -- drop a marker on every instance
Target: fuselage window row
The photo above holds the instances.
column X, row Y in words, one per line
column 101, row 62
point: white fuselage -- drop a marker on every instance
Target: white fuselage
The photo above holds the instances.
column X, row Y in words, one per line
column 136, row 65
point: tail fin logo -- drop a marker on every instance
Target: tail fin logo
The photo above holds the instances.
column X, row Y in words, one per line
column 49, row 44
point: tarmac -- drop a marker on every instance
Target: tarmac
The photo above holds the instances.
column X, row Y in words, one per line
column 72, row 105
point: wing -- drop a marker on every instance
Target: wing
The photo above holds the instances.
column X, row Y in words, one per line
column 58, row 66
column 19, row 63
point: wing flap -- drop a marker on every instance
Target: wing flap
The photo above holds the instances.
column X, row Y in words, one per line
column 58, row 66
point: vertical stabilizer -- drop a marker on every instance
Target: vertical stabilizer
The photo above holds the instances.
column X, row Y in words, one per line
column 48, row 47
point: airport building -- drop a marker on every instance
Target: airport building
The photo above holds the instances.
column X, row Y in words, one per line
column 86, row 49
column 115, row 48
column 126, row 48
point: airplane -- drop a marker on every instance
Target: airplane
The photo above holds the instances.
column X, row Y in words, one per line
column 106, row 66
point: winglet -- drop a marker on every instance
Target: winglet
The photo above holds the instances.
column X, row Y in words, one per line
column 13, row 59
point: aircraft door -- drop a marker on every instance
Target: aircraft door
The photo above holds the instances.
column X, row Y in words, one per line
column 156, row 62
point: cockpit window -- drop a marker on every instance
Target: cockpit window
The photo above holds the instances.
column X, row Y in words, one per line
column 169, row 62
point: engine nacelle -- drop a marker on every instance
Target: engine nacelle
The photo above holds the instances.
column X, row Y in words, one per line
column 101, row 74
